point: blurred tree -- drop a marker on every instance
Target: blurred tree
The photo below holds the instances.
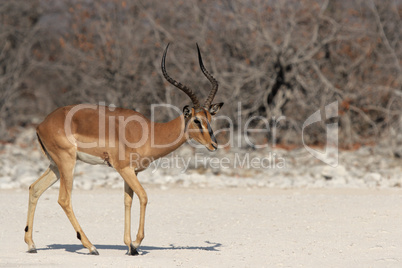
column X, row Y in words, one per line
column 278, row 58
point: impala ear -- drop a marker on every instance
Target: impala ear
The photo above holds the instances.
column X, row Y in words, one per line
column 187, row 111
column 214, row 108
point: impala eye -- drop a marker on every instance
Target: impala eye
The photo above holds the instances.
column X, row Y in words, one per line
column 198, row 122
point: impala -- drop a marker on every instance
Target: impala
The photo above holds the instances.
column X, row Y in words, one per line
column 98, row 135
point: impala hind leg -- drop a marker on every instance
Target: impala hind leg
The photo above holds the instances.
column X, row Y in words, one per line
column 35, row 191
column 131, row 184
column 66, row 186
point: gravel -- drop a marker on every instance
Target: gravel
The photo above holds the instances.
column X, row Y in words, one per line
column 22, row 163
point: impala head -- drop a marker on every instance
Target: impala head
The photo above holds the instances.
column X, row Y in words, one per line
column 198, row 118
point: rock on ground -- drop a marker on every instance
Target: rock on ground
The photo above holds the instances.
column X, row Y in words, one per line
column 22, row 163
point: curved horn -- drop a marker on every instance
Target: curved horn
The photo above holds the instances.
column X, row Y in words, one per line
column 182, row 87
column 211, row 79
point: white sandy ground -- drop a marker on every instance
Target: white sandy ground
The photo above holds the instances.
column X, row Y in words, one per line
column 212, row 228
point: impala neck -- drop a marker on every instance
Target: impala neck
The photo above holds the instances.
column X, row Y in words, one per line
column 168, row 136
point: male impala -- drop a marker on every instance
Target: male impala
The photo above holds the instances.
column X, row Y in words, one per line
column 99, row 135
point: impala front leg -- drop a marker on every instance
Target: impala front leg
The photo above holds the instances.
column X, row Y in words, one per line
column 131, row 184
column 128, row 201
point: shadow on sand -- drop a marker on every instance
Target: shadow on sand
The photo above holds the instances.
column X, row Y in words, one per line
column 143, row 249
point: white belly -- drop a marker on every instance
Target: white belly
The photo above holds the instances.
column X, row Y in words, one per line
column 90, row 159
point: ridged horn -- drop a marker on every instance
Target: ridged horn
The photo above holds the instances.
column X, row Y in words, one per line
column 179, row 85
column 211, row 79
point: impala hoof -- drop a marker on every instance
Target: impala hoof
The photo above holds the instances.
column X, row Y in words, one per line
column 132, row 251
column 94, row 252
column 32, row 250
